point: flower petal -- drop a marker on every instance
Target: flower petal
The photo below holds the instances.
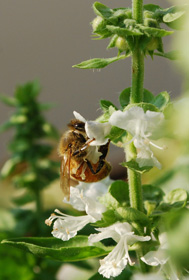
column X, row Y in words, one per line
column 97, row 131
column 79, row 117
column 155, row 258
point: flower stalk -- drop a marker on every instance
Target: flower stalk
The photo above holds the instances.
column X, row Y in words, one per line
column 134, row 177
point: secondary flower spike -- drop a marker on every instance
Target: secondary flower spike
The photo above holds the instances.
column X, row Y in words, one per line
column 113, row 264
column 142, row 126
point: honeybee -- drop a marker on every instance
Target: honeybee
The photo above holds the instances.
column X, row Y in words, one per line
column 78, row 157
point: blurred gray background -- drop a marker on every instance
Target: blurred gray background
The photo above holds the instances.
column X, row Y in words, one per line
column 42, row 39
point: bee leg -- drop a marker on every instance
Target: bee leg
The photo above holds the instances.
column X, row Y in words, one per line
column 99, row 167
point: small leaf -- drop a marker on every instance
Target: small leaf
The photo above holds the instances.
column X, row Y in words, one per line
column 96, row 63
column 170, row 17
column 108, row 218
column 11, row 101
column 25, row 93
column 102, row 10
column 147, row 96
column 152, row 193
column 75, row 249
column 151, row 7
column 155, row 32
column 105, row 104
column 132, row 215
column 144, row 106
column 9, row 167
column 124, row 31
column 116, row 134
column 133, row 165
column 112, row 42
column 161, row 100
column 177, row 197
column 124, row 97
column 172, row 55
column 120, row 191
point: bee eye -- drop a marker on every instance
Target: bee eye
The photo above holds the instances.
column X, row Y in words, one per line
column 69, row 145
column 79, row 126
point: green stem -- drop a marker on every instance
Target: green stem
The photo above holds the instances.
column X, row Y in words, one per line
column 136, row 96
column 137, row 74
column 134, row 178
column 137, row 9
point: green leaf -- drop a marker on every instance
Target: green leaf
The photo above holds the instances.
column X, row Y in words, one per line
column 177, row 197
column 132, row 215
column 9, row 167
column 172, row 55
column 96, row 63
column 152, row 193
column 123, row 32
column 124, row 97
column 151, row 7
column 120, row 191
column 105, row 104
column 11, row 101
column 147, row 96
column 102, row 10
column 76, row 249
column 116, row 134
column 133, row 165
column 161, row 100
column 112, row 42
column 144, row 106
column 108, row 218
column 170, row 17
column 155, row 32
column 25, row 93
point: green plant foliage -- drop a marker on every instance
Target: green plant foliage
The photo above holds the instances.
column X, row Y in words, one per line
column 75, row 249
column 97, row 63
column 133, row 165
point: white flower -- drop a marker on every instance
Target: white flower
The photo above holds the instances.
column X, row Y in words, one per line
column 87, row 190
column 95, row 131
column 141, row 125
column 159, row 257
column 117, row 259
column 66, row 226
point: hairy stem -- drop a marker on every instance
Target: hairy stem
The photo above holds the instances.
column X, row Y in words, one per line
column 134, row 178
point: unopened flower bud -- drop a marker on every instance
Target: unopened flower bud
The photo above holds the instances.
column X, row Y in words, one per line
column 128, row 14
column 150, row 22
column 121, row 44
column 96, row 22
column 152, row 44
column 148, row 14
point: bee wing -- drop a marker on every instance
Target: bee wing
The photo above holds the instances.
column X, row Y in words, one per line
column 65, row 175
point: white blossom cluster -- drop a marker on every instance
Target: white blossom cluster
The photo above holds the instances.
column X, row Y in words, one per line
column 85, row 197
